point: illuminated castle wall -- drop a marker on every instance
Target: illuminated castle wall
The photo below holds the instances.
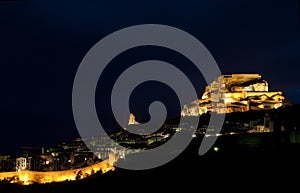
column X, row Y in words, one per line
column 26, row 177
column 235, row 93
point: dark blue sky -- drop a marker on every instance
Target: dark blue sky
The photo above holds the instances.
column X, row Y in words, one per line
column 43, row 42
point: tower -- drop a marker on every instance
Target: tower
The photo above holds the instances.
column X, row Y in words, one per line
column 132, row 120
column 268, row 124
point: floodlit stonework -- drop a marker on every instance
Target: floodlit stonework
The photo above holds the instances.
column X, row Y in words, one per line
column 235, row 93
column 132, row 120
column 26, row 177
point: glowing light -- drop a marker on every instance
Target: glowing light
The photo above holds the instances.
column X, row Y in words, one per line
column 216, row 149
column 26, row 179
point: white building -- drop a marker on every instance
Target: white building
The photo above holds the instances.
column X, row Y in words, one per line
column 21, row 164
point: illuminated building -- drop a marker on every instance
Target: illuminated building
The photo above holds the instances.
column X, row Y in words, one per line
column 20, row 164
column 235, row 93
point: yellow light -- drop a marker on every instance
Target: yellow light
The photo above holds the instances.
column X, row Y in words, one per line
column 216, row 149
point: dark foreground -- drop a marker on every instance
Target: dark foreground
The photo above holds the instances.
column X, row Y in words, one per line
column 241, row 163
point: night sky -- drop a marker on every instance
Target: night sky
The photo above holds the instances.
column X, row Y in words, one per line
column 43, row 42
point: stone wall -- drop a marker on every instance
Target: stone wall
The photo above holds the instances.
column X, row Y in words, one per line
column 28, row 177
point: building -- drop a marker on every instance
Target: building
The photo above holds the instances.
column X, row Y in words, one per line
column 21, row 164
column 35, row 163
column 235, row 93
column 7, row 163
column 262, row 125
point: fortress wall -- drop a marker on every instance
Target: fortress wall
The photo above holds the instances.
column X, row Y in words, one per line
column 27, row 177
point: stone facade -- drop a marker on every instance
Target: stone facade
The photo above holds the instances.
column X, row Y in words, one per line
column 235, row 93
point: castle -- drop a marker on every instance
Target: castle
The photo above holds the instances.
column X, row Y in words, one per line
column 235, row 93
